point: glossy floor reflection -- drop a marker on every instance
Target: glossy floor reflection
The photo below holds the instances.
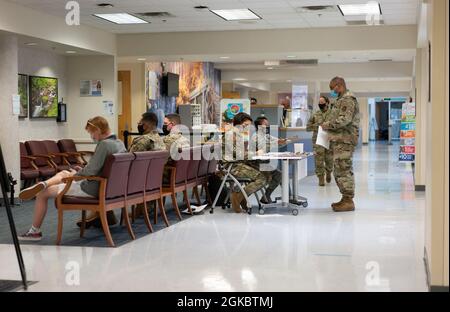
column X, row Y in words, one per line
column 377, row 248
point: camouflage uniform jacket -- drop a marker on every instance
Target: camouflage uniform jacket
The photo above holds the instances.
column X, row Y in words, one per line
column 234, row 146
column 148, row 142
column 316, row 120
column 343, row 124
column 175, row 140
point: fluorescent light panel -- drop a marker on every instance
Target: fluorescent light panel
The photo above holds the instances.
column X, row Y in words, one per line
column 236, row 14
column 121, row 18
column 369, row 8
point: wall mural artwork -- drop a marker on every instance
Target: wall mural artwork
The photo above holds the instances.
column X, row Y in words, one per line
column 43, row 97
column 200, row 83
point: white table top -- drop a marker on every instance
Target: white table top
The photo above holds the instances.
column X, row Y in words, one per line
column 283, row 156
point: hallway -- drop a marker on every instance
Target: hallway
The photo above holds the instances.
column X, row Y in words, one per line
column 377, row 248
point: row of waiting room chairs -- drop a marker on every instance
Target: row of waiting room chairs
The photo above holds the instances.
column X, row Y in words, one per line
column 40, row 160
column 137, row 178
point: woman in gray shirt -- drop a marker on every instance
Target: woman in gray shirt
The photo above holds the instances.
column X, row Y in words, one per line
column 107, row 144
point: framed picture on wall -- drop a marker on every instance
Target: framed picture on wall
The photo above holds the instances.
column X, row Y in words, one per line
column 43, row 97
column 23, row 93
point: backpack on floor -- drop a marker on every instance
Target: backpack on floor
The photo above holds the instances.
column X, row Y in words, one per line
column 214, row 182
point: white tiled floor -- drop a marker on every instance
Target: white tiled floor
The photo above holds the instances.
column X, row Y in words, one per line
column 377, row 248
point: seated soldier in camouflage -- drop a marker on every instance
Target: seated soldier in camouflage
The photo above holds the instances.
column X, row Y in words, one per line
column 173, row 140
column 148, row 141
column 236, row 154
column 263, row 142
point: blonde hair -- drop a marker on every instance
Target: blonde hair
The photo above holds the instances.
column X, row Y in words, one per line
column 99, row 123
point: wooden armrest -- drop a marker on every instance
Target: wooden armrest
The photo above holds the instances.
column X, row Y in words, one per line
column 48, row 157
column 73, row 153
column 58, row 154
column 82, row 178
column 28, row 157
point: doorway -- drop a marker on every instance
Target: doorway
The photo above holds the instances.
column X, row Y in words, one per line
column 124, row 114
column 385, row 118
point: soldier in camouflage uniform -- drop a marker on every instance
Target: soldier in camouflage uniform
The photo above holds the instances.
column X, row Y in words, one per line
column 149, row 139
column 343, row 131
column 323, row 157
column 263, row 142
column 235, row 153
column 173, row 140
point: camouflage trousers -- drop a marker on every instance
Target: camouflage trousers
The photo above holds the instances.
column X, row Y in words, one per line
column 244, row 171
column 323, row 159
column 273, row 179
column 343, row 167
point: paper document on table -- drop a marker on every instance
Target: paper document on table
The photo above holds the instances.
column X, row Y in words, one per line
column 322, row 138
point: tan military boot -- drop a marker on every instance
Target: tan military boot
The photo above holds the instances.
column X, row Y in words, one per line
column 328, row 177
column 337, row 203
column 346, row 204
column 321, row 180
column 236, row 199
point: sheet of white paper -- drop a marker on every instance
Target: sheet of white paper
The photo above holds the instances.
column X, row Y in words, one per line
column 195, row 209
column 322, row 138
column 298, row 148
column 16, row 104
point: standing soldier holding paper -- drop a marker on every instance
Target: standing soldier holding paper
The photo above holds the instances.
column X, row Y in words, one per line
column 343, row 132
column 323, row 157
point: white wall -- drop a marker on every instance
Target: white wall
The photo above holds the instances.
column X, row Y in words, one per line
column 35, row 62
column 9, row 136
column 25, row 21
column 80, row 109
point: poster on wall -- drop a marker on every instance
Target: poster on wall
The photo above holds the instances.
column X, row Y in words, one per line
column 108, row 108
column 230, row 108
column 408, row 133
column 300, row 111
column 23, row 92
column 91, row 88
column 43, row 97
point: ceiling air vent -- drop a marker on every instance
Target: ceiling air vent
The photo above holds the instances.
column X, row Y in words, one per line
column 156, row 14
column 381, row 60
column 362, row 23
column 301, row 62
column 316, row 9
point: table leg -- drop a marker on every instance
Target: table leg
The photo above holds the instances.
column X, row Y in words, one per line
column 285, row 182
column 295, row 181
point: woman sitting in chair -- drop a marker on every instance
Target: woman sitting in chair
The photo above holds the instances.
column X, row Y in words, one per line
column 107, row 144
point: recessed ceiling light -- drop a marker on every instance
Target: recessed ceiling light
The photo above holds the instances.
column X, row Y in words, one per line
column 236, row 15
column 240, row 79
column 71, row 52
column 288, row 80
column 224, row 57
column 141, row 59
column 269, row 67
column 369, row 8
column 31, row 44
column 121, row 18
column 291, row 56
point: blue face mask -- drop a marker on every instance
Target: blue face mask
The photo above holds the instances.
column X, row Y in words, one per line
column 334, row 94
